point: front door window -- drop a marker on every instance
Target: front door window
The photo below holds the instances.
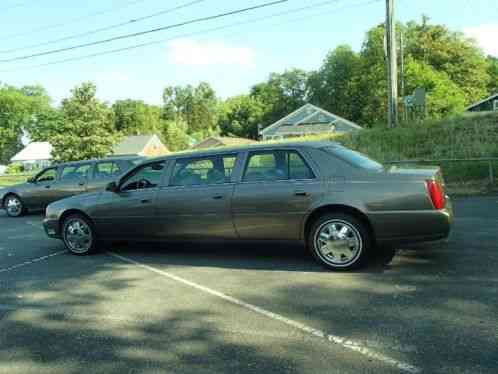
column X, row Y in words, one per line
column 146, row 177
column 48, row 175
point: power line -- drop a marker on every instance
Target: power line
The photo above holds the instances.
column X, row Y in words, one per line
column 105, row 28
column 202, row 32
column 127, row 36
column 71, row 21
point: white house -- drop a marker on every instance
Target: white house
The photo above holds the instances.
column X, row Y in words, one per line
column 3, row 168
column 35, row 155
column 308, row 120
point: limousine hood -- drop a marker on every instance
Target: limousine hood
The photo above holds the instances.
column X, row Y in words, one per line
column 81, row 202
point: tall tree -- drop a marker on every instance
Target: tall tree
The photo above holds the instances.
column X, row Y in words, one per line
column 197, row 106
column 460, row 58
column 87, row 129
column 20, row 111
column 445, row 97
column 240, row 116
column 174, row 135
column 493, row 74
column 134, row 117
column 334, row 86
column 281, row 94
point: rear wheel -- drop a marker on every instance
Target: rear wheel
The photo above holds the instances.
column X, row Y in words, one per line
column 78, row 235
column 13, row 206
column 339, row 241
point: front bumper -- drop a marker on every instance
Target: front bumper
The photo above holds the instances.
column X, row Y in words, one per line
column 52, row 228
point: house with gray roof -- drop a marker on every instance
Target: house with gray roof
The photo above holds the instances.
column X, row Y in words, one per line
column 140, row 145
column 308, row 120
column 489, row 104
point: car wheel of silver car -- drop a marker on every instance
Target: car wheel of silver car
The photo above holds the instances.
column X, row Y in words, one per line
column 339, row 241
column 78, row 235
column 13, row 206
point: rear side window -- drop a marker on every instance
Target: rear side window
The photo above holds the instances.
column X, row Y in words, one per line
column 107, row 169
column 75, row 172
column 276, row 165
column 203, row 171
column 354, row 158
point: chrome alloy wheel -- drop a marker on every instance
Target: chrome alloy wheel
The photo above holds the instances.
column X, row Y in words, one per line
column 78, row 236
column 13, row 206
column 338, row 242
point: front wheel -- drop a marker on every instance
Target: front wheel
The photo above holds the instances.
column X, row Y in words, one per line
column 78, row 235
column 13, row 206
column 339, row 241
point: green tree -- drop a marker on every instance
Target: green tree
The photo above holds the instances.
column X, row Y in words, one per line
column 281, row 94
column 493, row 74
column 371, row 98
column 174, row 135
column 444, row 97
column 240, row 116
column 197, row 106
column 460, row 58
column 334, row 86
column 20, row 109
column 134, row 117
column 87, row 127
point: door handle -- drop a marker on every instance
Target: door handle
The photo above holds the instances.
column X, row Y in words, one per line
column 218, row 197
column 47, row 186
column 300, row 193
column 145, row 201
column 81, row 184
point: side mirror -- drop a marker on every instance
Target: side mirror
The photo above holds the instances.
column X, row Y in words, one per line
column 112, row 187
column 31, row 180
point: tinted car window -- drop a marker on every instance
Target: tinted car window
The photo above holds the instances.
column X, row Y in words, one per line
column 203, row 171
column 354, row 158
column 47, row 176
column 75, row 172
column 148, row 176
column 107, row 169
column 276, row 165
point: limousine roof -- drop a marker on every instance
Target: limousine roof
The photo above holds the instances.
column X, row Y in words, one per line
column 116, row 158
column 256, row 146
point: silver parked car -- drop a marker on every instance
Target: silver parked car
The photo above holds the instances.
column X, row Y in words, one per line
column 61, row 181
column 340, row 203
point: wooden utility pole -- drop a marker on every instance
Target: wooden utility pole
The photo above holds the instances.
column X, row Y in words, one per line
column 402, row 67
column 392, row 71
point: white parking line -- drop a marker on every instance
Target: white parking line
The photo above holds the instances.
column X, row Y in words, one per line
column 26, row 263
column 344, row 342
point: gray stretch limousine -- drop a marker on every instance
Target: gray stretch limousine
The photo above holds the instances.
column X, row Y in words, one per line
column 340, row 203
column 61, row 181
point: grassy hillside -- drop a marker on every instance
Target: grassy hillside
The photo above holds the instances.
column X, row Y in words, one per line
column 468, row 136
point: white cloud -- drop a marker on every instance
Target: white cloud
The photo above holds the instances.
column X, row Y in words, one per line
column 192, row 52
column 486, row 35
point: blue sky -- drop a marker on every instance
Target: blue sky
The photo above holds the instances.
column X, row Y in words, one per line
column 231, row 60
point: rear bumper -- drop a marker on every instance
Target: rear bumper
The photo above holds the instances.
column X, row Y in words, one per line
column 405, row 227
column 52, row 228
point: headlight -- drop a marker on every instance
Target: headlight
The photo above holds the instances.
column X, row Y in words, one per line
column 51, row 212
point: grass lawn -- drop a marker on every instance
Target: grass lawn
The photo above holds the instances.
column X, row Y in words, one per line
column 9, row 180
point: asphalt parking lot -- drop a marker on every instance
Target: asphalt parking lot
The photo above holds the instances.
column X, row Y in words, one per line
column 249, row 308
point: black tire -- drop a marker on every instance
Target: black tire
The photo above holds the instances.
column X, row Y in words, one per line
column 356, row 231
column 20, row 211
column 78, row 223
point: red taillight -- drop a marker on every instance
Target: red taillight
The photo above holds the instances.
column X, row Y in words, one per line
column 436, row 194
